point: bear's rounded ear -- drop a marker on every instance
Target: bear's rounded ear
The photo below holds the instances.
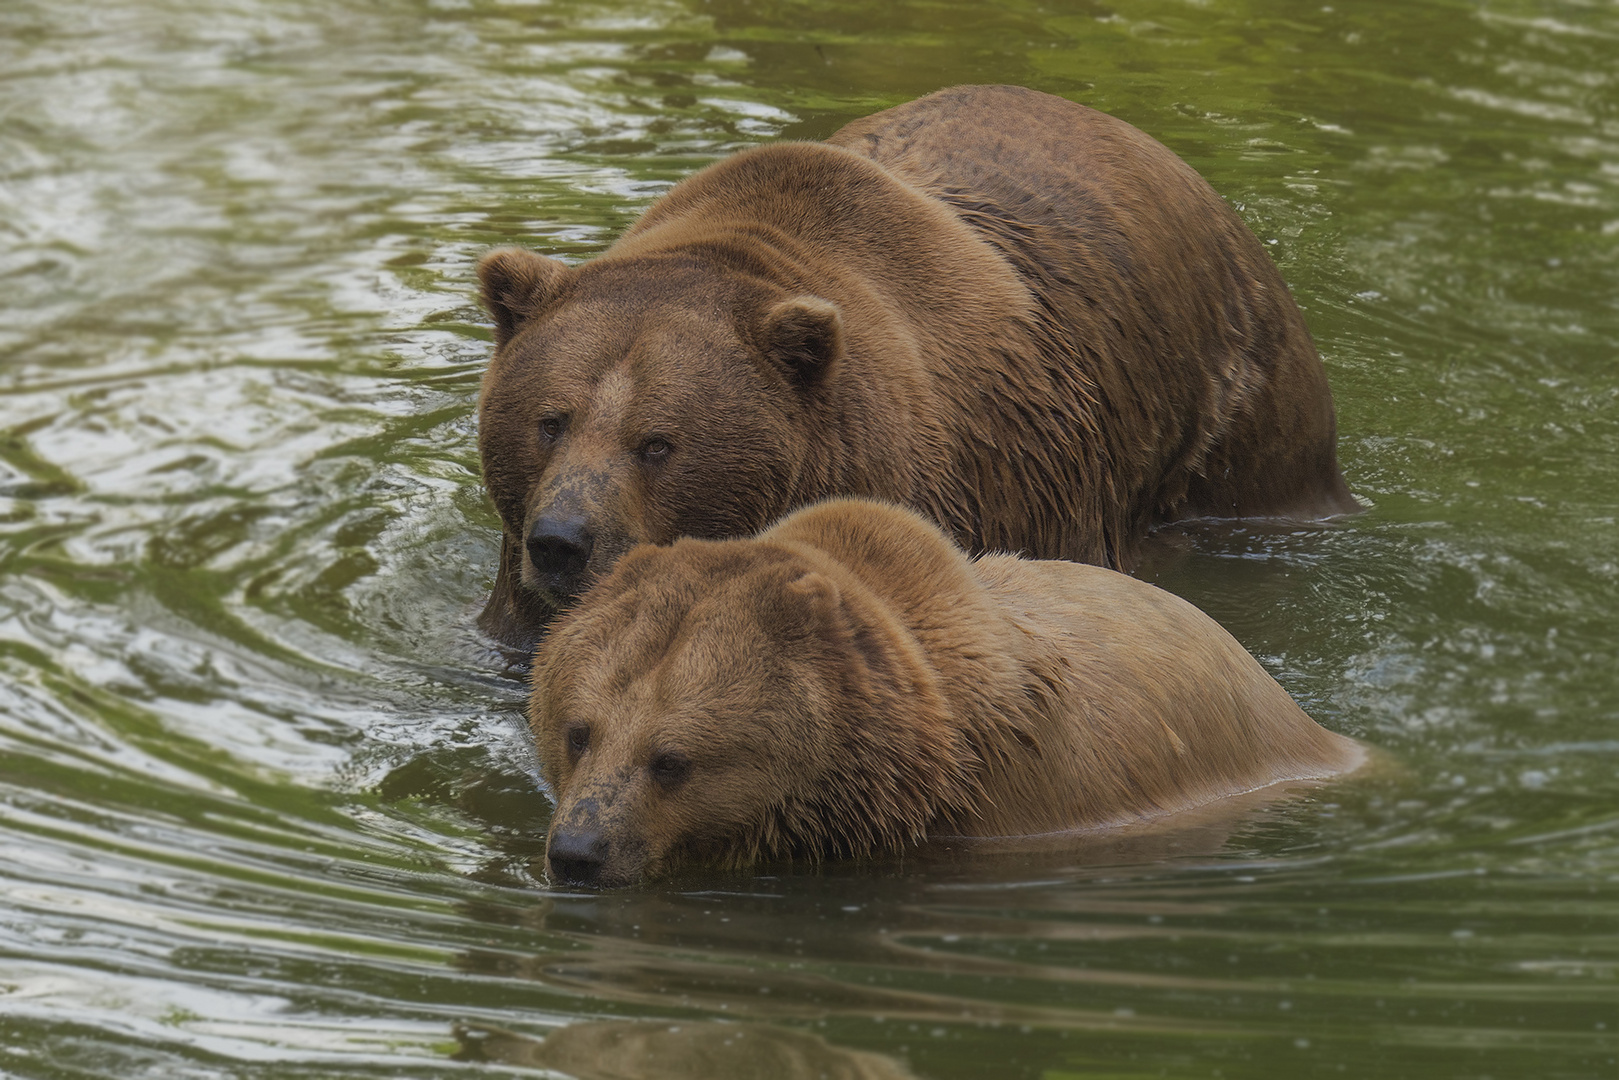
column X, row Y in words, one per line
column 817, row 596
column 804, row 335
column 517, row 284
column 820, row 607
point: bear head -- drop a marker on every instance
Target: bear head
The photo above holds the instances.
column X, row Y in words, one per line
column 634, row 400
column 720, row 703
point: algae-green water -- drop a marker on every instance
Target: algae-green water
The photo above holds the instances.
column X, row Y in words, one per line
column 266, row 804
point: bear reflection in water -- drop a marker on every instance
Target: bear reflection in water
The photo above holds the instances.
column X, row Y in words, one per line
column 1021, row 317
column 699, row 1050
column 849, row 684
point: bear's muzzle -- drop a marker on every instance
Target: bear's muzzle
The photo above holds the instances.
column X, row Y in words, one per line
column 576, row 856
column 598, row 840
column 559, row 546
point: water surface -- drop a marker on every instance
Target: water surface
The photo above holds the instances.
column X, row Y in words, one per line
column 265, row 800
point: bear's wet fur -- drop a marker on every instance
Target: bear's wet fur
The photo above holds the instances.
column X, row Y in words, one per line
column 849, row 683
column 1022, row 317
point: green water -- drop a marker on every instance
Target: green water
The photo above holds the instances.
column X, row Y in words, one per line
column 266, row 808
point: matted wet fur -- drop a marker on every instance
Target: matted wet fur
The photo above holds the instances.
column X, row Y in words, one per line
column 849, row 683
column 1022, row 317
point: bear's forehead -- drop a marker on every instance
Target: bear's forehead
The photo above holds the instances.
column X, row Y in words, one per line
column 685, row 640
column 619, row 325
column 692, row 684
column 668, row 278
column 685, row 637
column 684, row 361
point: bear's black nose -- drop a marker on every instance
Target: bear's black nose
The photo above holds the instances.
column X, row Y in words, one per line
column 576, row 856
column 559, row 547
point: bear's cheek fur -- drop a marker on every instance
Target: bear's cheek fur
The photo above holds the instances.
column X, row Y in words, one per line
column 726, row 486
column 738, row 450
column 512, row 459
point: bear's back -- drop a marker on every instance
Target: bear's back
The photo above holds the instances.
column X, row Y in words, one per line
column 1142, row 705
column 1171, row 303
column 1077, row 198
column 822, row 220
column 1031, row 157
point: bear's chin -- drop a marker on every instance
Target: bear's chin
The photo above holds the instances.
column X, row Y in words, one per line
column 551, row 591
column 614, row 874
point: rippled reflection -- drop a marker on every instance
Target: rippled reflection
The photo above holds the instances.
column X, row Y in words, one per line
column 630, row 1050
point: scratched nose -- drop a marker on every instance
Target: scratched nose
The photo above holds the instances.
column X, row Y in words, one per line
column 559, row 547
column 576, row 856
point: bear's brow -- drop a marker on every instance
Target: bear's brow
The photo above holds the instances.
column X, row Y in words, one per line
column 613, row 395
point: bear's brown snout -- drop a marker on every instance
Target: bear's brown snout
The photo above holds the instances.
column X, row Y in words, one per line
column 575, row 528
column 576, row 856
column 598, row 836
column 559, row 546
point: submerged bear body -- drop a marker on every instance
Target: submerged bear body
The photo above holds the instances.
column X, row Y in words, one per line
column 849, row 683
column 1023, row 318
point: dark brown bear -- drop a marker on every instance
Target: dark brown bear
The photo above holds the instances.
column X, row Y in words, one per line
column 849, row 684
column 1022, row 317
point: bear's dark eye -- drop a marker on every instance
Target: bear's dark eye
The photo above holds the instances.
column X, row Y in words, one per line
column 578, row 740
column 552, row 427
column 655, row 449
column 670, row 768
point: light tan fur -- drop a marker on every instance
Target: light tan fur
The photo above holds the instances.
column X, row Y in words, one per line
column 849, row 683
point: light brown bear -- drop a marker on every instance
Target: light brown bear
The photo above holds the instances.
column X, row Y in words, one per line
column 849, row 683
column 1022, row 317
